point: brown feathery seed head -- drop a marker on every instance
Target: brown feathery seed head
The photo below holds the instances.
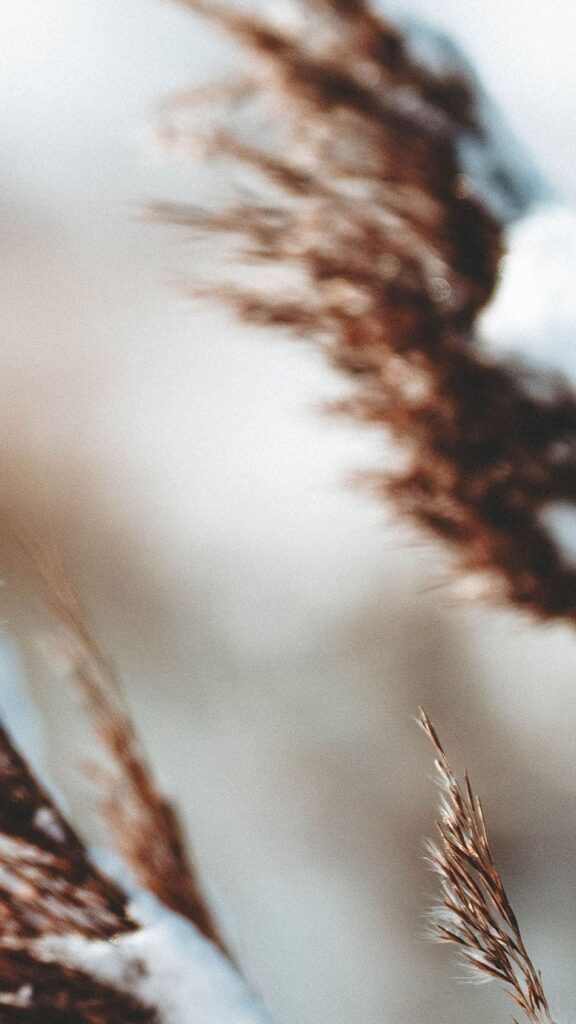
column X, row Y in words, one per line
column 474, row 912
column 144, row 825
column 394, row 255
column 50, row 888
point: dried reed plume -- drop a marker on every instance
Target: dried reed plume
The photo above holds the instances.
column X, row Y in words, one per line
column 474, row 911
column 389, row 252
column 48, row 887
column 144, row 825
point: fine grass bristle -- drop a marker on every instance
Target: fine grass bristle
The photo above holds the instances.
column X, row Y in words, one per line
column 143, row 823
column 474, row 912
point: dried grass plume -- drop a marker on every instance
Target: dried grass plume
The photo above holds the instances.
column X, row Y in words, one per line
column 49, row 887
column 142, row 822
column 474, row 912
column 359, row 227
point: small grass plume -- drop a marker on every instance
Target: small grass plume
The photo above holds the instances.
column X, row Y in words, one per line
column 143, row 823
column 474, row 911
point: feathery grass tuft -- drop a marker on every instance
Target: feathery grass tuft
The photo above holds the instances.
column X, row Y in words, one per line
column 474, row 911
column 143, row 823
column 49, row 888
column 361, row 227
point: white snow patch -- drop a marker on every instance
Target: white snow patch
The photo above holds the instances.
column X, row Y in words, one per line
column 496, row 166
column 22, row 998
column 559, row 520
column 46, row 820
column 167, row 964
column 533, row 313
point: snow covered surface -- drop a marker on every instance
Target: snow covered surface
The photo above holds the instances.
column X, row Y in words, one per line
column 559, row 519
column 167, row 964
column 533, row 313
column 532, row 317
column 499, row 169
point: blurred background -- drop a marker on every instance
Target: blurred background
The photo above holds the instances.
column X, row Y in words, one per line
column 276, row 629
